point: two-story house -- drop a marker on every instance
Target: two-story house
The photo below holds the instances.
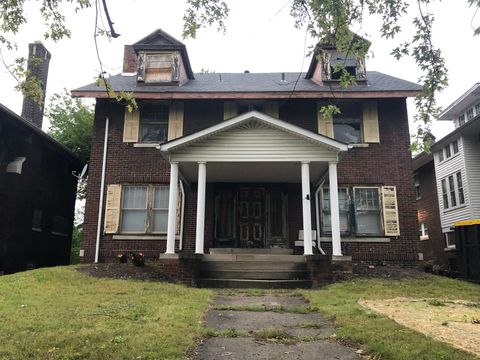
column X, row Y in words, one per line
column 457, row 164
column 247, row 162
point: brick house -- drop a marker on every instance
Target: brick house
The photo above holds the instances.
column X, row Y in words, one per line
column 37, row 189
column 246, row 161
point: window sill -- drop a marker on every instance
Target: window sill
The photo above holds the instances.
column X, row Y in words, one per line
column 142, row 237
column 455, row 208
column 424, row 237
column 450, row 248
column 450, row 158
column 147, row 145
column 360, row 145
column 359, row 240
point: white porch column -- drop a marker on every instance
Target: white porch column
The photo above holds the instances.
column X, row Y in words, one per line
column 307, row 210
column 202, row 182
column 334, row 210
column 172, row 208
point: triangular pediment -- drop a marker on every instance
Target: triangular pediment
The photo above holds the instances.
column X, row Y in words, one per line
column 254, row 131
column 159, row 38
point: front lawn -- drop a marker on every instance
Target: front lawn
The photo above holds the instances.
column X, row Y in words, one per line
column 378, row 334
column 59, row 313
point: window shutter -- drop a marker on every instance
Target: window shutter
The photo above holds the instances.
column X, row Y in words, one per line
column 229, row 110
column 370, row 122
column 390, row 211
column 112, row 208
column 271, row 108
column 175, row 121
column 325, row 124
column 131, row 125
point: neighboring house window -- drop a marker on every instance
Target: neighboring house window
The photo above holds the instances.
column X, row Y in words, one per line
column 59, row 226
column 444, row 194
column 461, row 120
column 154, row 122
column 360, row 211
column 448, row 152
column 423, row 231
column 461, row 196
column 455, row 146
column 450, row 239
column 469, row 114
column 37, row 220
column 347, row 125
column 417, row 187
column 440, row 155
column 144, row 209
column 452, row 190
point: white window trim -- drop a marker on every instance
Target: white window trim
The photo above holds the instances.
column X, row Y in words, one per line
column 423, row 236
column 457, row 197
column 449, row 247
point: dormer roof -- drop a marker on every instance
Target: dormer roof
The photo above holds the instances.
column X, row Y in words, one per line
column 160, row 40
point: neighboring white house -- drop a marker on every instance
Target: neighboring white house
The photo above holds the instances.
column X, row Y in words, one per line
column 457, row 164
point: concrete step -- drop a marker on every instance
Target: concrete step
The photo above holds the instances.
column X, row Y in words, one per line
column 252, row 265
column 254, row 283
column 271, row 251
column 254, row 274
column 254, row 257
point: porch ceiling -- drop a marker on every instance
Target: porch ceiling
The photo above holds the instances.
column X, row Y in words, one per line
column 253, row 172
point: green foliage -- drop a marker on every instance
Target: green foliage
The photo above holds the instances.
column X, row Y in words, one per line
column 71, row 122
column 59, row 313
column 202, row 13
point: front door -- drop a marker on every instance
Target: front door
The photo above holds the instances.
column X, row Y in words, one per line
column 251, row 217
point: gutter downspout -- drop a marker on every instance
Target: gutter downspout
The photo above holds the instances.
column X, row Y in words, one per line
column 102, row 185
column 182, row 215
column 317, row 217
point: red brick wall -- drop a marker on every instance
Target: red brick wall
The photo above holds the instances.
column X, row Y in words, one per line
column 388, row 163
column 428, row 213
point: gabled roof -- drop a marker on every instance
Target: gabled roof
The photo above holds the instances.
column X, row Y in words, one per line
column 259, row 117
column 18, row 121
column 471, row 127
column 160, row 40
column 460, row 105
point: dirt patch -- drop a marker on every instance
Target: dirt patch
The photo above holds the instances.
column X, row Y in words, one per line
column 454, row 322
column 384, row 270
column 124, row 271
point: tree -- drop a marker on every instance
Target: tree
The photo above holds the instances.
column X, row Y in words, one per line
column 330, row 20
column 71, row 122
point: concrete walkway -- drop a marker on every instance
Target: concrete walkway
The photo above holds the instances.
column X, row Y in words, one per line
column 269, row 327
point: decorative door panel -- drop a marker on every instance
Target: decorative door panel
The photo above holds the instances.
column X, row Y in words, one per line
column 251, row 217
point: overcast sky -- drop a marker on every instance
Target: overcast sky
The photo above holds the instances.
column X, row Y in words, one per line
column 260, row 37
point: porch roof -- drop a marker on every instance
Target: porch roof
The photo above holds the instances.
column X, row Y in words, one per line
column 260, row 119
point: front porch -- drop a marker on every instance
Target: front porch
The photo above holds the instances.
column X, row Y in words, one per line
column 252, row 159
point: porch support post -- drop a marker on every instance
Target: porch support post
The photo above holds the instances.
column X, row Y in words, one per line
column 307, row 209
column 172, row 208
column 202, row 182
column 334, row 210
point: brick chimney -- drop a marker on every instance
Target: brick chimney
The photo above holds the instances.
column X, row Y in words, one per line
column 129, row 59
column 31, row 111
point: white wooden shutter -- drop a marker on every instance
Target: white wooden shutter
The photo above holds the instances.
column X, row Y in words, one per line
column 390, row 211
column 370, row 122
column 175, row 120
column 230, row 110
column 131, row 125
column 112, row 208
column 325, row 124
column 271, row 108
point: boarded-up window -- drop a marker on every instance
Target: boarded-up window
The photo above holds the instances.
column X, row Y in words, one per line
column 390, row 211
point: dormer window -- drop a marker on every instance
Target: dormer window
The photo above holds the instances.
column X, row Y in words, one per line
column 334, row 63
column 158, row 67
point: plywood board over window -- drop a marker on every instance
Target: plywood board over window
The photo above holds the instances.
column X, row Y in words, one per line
column 325, row 123
column 390, row 211
column 175, row 121
column 371, row 133
column 112, row 208
column 131, row 125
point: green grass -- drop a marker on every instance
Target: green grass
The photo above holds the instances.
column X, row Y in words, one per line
column 380, row 335
column 59, row 313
